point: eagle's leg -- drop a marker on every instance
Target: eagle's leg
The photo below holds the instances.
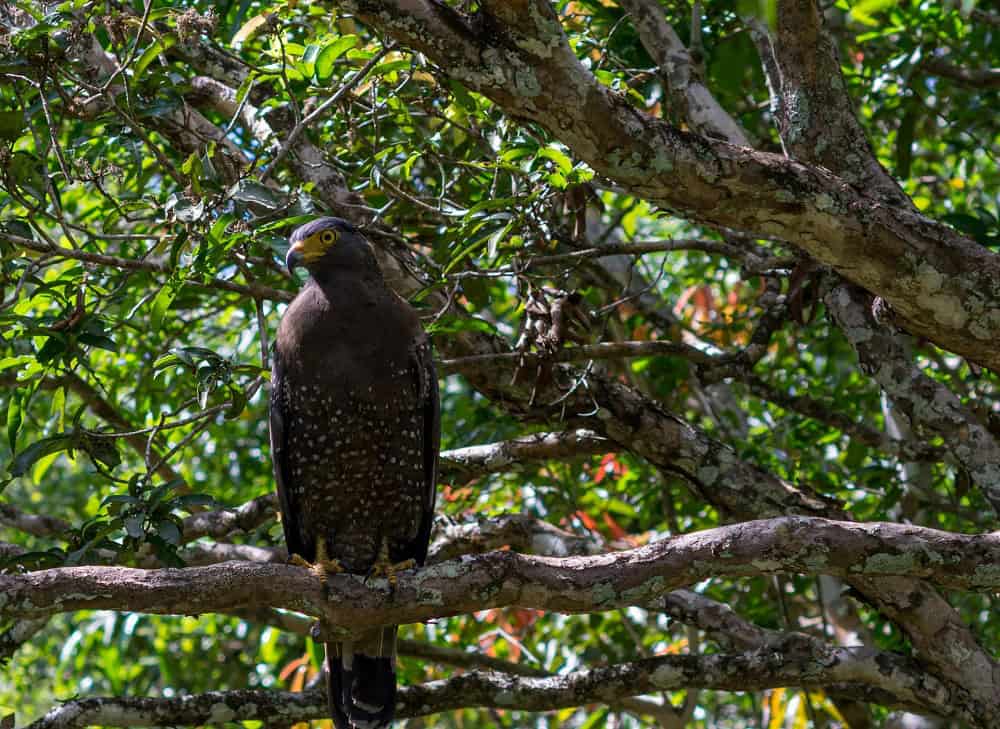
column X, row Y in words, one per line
column 384, row 566
column 323, row 565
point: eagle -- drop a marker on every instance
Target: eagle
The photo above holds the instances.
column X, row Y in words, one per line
column 355, row 435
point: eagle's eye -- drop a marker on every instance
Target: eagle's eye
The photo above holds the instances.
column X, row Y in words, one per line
column 328, row 236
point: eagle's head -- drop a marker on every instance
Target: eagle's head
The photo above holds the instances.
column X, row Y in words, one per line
column 328, row 243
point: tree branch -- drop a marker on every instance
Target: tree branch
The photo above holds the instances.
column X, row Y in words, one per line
column 33, row 524
column 980, row 78
column 465, row 464
column 253, row 291
column 497, row 579
column 817, row 121
column 520, row 532
column 928, row 404
column 899, row 680
column 677, row 70
column 535, row 75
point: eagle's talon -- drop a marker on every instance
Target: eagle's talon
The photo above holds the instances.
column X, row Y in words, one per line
column 384, row 567
column 323, row 567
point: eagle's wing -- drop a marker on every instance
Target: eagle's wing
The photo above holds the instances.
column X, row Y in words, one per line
column 431, row 443
column 290, row 510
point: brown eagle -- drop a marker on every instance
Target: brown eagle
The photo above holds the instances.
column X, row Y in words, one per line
column 355, row 434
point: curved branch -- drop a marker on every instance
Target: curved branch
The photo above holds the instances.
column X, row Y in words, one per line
column 942, row 283
column 497, row 579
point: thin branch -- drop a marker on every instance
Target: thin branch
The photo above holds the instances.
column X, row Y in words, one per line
column 321, row 109
column 464, row 464
column 221, row 523
column 899, row 680
column 254, row 291
column 979, row 78
column 604, row 350
column 519, row 532
column 630, row 249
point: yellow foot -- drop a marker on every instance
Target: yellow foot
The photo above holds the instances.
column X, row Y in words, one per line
column 384, row 567
column 322, row 567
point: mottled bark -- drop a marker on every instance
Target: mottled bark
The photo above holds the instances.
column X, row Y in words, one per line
column 876, row 552
column 928, row 404
column 686, row 91
column 943, row 285
column 714, row 471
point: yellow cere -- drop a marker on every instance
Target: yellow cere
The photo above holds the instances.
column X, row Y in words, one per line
column 316, row 245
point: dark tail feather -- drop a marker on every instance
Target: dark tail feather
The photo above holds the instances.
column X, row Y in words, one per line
column 361, row 681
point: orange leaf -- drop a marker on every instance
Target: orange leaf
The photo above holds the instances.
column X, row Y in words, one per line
column 587, row 520
column 615, row 528
column 292, row 667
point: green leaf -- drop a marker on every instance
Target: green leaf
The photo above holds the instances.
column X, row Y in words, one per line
column 133, row 525
column 165, row 551
column 185, row 209
column 103, row 451
column 152, row 52
column 24, row 460
column 168, row 531
column 563, row 162
column 329, row 54
column 14, row 420
column 454, row 324
column 12, row 123
column 42, row 466
column 251, row 29
column 971, row 226
column 462, row 96
column 158, row 310
column 238, row 405
column 187, row 501
column 254, row 193
column 121, row 500
column 101, row 341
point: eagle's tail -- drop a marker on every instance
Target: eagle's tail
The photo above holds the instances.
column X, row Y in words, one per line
column 361, row 681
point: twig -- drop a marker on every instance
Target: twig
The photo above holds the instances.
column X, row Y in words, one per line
column 315, row 113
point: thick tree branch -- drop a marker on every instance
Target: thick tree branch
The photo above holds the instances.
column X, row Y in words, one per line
column 687, row 92
column 946, row 286
column 572, row 584
column 930, row 406
column 817, row 120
